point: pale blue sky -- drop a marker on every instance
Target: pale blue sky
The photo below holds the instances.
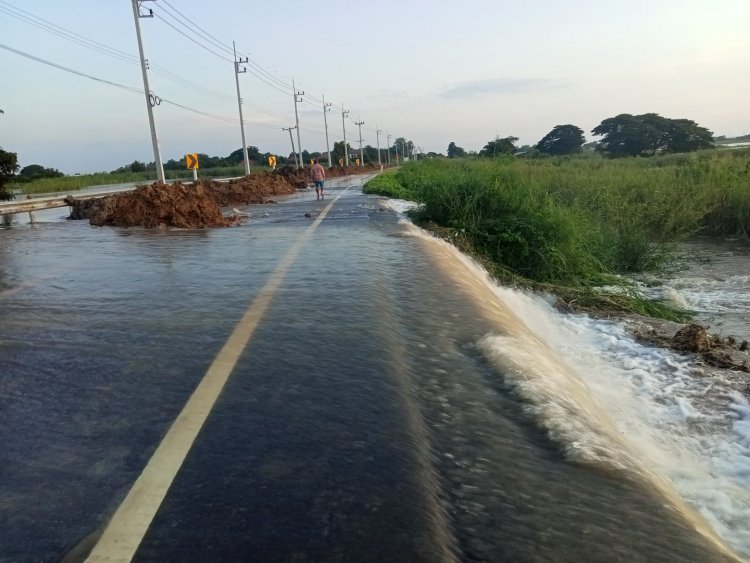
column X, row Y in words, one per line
column 432, row 71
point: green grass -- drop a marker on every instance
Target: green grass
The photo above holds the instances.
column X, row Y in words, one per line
column 577, row 222
column 71, row 183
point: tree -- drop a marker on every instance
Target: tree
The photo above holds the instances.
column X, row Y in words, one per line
column 647, row 134
column 498, row 147
column 8, row 168
column 253, row 156
column 137, row 166
column 684, row 135
column 34, row 171
column 338, row 151
column 454, row 151
column 400, row 145
column 563, row 139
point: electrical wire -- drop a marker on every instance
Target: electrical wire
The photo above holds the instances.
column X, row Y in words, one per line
column 128, row 88
column 50, row 27
column 81, row 40
column 201, row 45
column 267, row 74
column 102, row 48
column 219, row 117
column 175, row 15
column 198, row 28
column 70, row 70
column 212, row 51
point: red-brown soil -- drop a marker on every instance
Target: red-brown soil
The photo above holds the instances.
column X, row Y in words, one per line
column 174, row 205
column 197, row 205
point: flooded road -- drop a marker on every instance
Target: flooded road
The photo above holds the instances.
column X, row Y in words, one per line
column 371, row 414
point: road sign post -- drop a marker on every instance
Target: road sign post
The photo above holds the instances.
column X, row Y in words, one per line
column 191, row 161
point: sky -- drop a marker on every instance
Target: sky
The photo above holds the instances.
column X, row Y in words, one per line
column 432, row 71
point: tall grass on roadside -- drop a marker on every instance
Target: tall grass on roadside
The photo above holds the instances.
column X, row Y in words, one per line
column 575, row 221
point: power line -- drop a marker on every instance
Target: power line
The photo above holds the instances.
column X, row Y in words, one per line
column 102, row 48
column 175, row 15
column 205, row 33
column 218, row 117
column 258, row 75
column 128, row 88
column 201, row 45
column 267, row 74
column 70, row 70
column 50, row 27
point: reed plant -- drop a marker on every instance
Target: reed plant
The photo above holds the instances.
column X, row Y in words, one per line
column 577, row 221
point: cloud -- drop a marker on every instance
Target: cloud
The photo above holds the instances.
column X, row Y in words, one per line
column 473, row 88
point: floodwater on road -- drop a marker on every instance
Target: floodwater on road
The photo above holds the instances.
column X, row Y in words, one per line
column 390, row 406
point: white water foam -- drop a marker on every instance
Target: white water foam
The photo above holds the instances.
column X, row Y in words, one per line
column 607, row 399
column 399, row 205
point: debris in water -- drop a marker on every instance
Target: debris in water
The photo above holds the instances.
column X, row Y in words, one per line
column 693, row 338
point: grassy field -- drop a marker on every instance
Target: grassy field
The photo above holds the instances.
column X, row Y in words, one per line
column 575, row 222
column 71, row 183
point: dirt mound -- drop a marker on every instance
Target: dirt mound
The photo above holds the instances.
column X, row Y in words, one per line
column 195, row 206
column 255, row 188
column 300, row 179
column 173, row 205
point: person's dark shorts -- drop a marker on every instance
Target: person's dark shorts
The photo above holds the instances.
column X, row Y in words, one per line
column 319, row 184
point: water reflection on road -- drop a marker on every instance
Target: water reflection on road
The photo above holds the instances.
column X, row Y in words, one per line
column 361, row 423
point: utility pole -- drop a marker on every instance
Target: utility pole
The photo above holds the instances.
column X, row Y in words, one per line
column 326, row 109
column 344, row 113
column 388, row 154
column 361, row 154
column 237, row 71
column 395, row 147
column 297, row 98
column 151, row 100
column 377, row 140
column 294, row 154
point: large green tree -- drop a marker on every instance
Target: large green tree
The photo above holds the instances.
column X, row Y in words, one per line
column 454, row 151
column 563, row 139
column 253, row 155
column 498, row 147
column 35, row 171
column 8, row 168
column 338, row 151
column 647, row 134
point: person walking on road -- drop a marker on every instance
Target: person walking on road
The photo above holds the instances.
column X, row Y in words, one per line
column 318, row 175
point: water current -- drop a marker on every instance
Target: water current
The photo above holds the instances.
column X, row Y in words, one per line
column 394, row 403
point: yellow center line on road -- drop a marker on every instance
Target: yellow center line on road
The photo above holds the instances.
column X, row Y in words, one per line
column 128, row 526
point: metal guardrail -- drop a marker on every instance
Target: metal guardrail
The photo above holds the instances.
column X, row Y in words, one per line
column 37, row 204
column 31, row 205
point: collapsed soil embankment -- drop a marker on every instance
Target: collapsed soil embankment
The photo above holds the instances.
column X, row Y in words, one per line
column 724, row 353
column 194, row 206
column 174, row 205
column 301, row 178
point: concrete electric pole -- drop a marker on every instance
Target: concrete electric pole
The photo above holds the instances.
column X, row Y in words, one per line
column 361, row 154
column 377, row 140
column 344, row 113
column 294, row 154
column 151, row 100
column 388, row 153
column 297, row 99
column 237, row 71
column 326, row 109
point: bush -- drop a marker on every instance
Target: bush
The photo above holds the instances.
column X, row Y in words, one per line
column 577, row 220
